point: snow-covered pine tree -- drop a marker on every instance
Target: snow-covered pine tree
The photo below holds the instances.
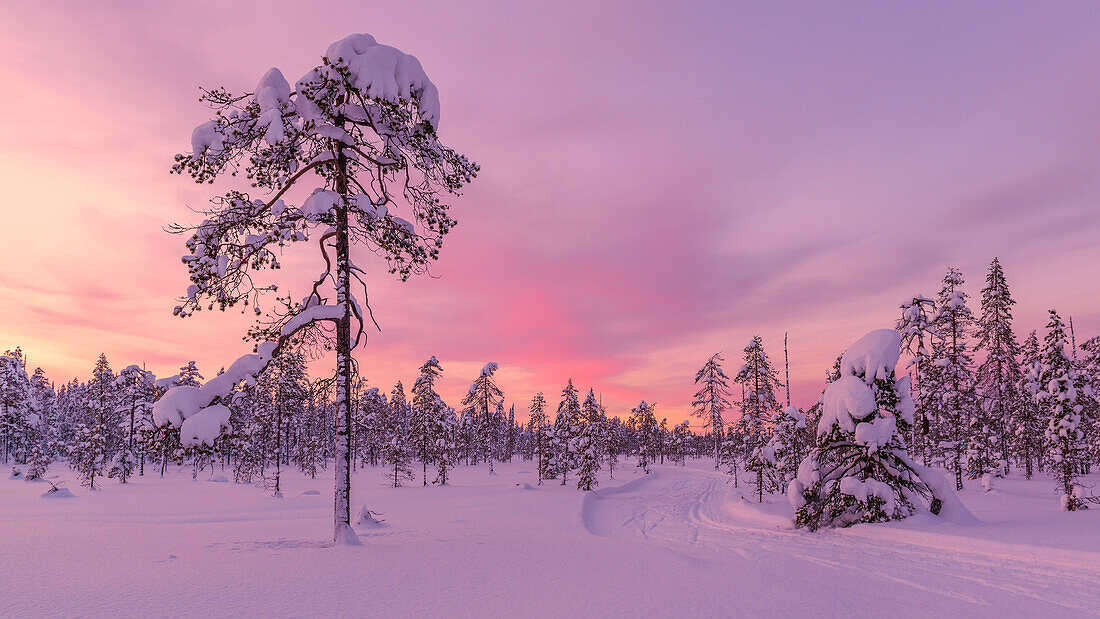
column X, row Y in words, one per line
column 614, row 440
column 1026, row 424
column 398, row 461
column 480, row 404
column 286, row 381
column 189, row 376
column 444, row 430
column 1057, row 391
column 88, row 452
column 364, row 124
column 776, row 462
column 955, row 375
column 122, row 464
column 537, row 424
column 731, row 456
column 860, row 471
column 427, row 413
column 136, row 393
column 681, row 436
column 998, row 378
column 98, row 431
column 255, row 430
column 371, row 425
column 309, row 450
column 496, row 432
column 39, row 461
column 712, row 399
column 508, row 441
column 917, row 329
column 759, row 381
column 566, row 426
column 588, row 443
column 1089, row 371
column 646, row 434
column 46, row 433
column 15, row 407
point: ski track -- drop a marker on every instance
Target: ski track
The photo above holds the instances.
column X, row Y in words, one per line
column 695, row 509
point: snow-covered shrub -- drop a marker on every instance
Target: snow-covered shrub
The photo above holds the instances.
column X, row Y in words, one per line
column 122, row 465
column 860, row 471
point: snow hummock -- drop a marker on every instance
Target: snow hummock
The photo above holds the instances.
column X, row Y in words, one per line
column 58, row 493
column 366, row 518
column 952, row 509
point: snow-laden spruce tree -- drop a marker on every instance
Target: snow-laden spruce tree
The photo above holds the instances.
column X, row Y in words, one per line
column 348, row 155
column 998, row 378
column 137, row 392
column 759, row 382
column 481, row 402
column 647, row 434
column 955, row 374
column 776, row 462
column 860, row 470
column 1026, row 424
column 712, row 399
column 588, row 443
column 917, row 331
column 15, row 406
column 566, row 426
column 1059, row 392
column 427, row 408
column 1089, row 372
column 537, row 424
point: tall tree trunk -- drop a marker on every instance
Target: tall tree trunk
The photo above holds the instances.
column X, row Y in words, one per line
column 342, row 531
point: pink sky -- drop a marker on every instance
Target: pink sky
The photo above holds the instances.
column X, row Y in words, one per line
column 659, row 182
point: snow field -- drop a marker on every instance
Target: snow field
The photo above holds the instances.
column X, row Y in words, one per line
column 678, row 542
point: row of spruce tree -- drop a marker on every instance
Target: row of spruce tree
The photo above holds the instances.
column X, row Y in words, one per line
column 104, row 427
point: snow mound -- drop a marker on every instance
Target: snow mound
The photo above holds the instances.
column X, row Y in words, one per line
column 525, row 486
column 310, row 493
column 220, row 479
column 346, row 536
column 873, row 356
column 57, row 493
column 368, row 519
column 16, row 474
column 951, row 508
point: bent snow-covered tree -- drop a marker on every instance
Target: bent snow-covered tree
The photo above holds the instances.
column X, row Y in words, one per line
column 860, row 471
column 347, row 156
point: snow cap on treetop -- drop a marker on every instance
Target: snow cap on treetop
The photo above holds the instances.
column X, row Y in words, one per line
column 387, row 73
column 873, row 356
column 489, row 368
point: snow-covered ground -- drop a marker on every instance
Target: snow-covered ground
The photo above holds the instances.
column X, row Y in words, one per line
column 678, row 542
